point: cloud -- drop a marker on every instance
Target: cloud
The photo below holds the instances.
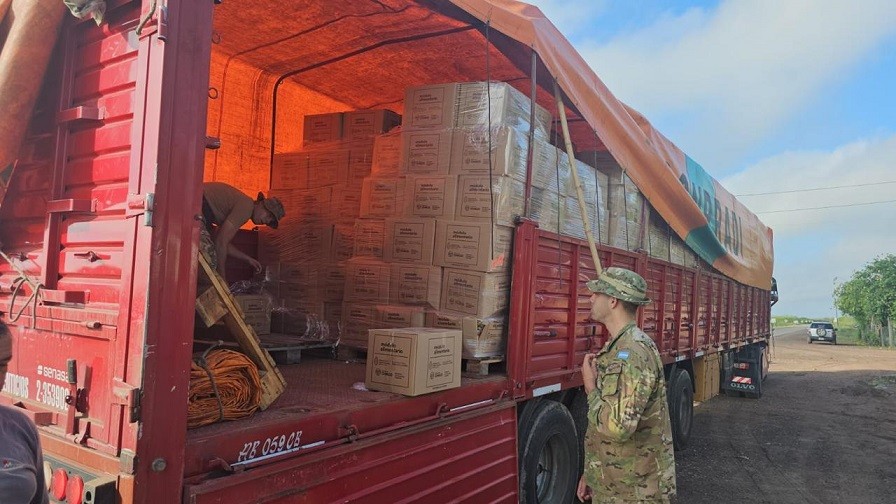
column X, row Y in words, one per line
column 814, row 246
column 732, row 75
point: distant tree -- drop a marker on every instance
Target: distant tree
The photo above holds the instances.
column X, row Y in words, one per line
column 870, row 296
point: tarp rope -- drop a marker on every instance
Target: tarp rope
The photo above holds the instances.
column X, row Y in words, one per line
column 16, row 287
column 224, row 385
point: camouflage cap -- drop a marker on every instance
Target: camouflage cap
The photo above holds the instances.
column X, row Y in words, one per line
column 274, row 206
column 621, row 283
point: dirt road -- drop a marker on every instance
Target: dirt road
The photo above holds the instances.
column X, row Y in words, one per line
column 823, row 432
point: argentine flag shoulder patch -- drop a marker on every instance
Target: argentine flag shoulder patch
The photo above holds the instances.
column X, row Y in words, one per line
column 622, row 355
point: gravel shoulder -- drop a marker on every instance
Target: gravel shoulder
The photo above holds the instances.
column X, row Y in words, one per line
column 823, row 432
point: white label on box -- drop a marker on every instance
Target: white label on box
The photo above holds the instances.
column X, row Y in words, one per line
column 427, row 152
column 433, row 196
column 440, row 368
column 391, row 360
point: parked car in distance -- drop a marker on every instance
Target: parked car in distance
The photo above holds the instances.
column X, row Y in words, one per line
column 822, row 331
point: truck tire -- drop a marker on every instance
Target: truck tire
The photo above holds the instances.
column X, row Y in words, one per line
column 578, row 408
column 681, row 408
column 548, row 453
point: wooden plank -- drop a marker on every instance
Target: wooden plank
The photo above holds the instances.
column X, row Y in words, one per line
column 210, row 307
column 272, row 382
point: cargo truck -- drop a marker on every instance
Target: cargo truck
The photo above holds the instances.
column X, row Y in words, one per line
column 100, row 234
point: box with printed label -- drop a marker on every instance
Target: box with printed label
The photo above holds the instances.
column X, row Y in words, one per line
column 413, row 284
column 410, row 240
column 292, row 243
column 305, row 205
column 482, row 337
column 383, row 197
column 331, row 282
column 256, row 311
column 361, row 124
column 360, row 161
column 386, row 155
column 475, row 245
column 370, row 238
column 430, row 107
column 400, row 316
column 322, row 128
column 501, row 199
column 342, row 245
column 366, row 280
column 499, row 103
column 475, row 293
column 509, row 150
column 357, row 320
column 426, row 152
column 413, row 361
column 432, row 196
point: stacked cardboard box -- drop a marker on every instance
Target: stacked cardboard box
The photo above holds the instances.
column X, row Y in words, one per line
column 464, row 152
column 322, row 189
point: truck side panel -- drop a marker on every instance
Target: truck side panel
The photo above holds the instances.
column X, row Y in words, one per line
column 471, row 459
column 66, row 225
column 551, row 327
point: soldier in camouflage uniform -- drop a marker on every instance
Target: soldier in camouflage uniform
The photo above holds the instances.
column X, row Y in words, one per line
column 628, row 446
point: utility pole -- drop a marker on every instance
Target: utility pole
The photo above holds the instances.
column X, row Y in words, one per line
column 834, row 301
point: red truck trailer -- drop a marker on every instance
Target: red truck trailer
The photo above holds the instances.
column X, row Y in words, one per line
column 101, row 214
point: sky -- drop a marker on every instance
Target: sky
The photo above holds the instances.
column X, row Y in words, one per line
column 794, row 97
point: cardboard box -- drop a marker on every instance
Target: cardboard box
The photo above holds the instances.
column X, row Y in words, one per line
column 509, row 149
column 400, row 316
column 430, row 107
column 475, row 245
column 331, row 282
column 370, row 238
column 305, row 205
column 366, row 280
column 482, row 337
column 410, row 240
column 545, row 166
column 346, row 204
column 362, row 124
column 297, row 244
column 342, row 245
column 386, row 155
column 426, row 152
column 477, row 193
column 357, row 320
column 413, row 361
column 659, row 237
column 359, row 166
column 546, row 207
column 256, row 311
column 432, row 196
column 383, row 197
column 322, row 128
column 475, row 293
column 413, row 284
column 508, row 107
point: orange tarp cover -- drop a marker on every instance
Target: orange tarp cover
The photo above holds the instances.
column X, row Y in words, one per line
column 274, row 62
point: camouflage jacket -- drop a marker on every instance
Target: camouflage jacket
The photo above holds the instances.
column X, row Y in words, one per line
column 628, row 446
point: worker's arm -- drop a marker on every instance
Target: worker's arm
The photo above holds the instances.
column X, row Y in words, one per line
column 616, row 405
column 239, row 254
column 223, row 237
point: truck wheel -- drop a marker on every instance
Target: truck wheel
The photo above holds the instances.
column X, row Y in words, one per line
column 578, row 408
column 549, row 450
column 681, row 408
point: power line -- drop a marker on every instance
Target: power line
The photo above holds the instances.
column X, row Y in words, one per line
column 831, row 206
column 817, row 189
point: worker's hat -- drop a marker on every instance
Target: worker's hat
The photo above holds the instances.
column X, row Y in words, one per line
column 274, row 206
column 621, row 283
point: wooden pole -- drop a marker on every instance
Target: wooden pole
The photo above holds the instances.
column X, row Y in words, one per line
column 575, row 177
